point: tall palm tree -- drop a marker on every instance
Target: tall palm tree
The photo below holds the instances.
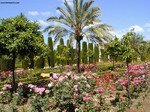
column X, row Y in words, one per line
column 79, row 21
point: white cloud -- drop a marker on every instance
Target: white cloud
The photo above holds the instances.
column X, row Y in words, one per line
column 119, row 34
column 136, row 28
column 147, row 25
column 33, row 13
column 148, row 29
column 47, row 13
column 43, row 23
column 36, row 13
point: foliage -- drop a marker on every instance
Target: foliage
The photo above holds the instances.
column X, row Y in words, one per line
column 96, row 53
column 39, row 62
column 90, row 53
column 113, row 49
column 71, row 54
column 74, row 22
column 104, row 55
column 122, row 106
column 5, row 63
column 62, row 54
column 84, row 53
column 25, row 63
column 39, row 103
column 51, row 61
column 19, row 36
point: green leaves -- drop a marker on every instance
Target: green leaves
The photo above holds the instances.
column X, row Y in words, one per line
column 19, row 35
column 79, row 21
column 126, row 47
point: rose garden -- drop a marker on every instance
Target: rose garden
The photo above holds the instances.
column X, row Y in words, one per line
column 90, row 70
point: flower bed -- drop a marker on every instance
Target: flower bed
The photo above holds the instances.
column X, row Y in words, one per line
column 69, row 91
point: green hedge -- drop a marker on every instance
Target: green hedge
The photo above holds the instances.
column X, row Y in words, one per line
column 6, row 63
column 40, row 63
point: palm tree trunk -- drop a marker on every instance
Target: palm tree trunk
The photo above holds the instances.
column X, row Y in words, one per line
column 78, row 55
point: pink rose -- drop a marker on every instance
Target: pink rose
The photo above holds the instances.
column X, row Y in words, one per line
column 101, row 90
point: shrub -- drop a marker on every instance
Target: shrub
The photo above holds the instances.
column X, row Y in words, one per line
column 6, row 63
column 25, row 63
column 40, row 62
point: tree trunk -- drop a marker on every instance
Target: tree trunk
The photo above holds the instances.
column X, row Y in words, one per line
column 14, row 82
column 78, row 55
column 128, row 88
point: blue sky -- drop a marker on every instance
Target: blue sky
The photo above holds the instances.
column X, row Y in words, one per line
column 122, row 15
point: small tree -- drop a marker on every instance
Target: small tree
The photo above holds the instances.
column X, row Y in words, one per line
column 113, row 49
column 127, row 53
column 19, row 36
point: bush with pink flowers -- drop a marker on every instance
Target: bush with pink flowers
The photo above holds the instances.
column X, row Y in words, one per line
column 69, row 91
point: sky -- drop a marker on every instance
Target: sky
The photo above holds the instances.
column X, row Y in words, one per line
column 122, row 15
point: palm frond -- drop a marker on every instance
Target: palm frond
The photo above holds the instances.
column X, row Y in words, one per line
column 67, row 16
column 70, row 11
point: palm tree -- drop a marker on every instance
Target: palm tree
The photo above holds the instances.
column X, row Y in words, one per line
column 136, row 41
column 79, row 21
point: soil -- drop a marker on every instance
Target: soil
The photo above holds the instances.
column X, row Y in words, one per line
column 140, row 105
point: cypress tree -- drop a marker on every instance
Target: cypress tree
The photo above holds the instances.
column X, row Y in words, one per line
column 51, row 56
column 69, row 53
column 84, row 52
column 90, row 52
column 96, row 53
column 57, row 54
column 61, row 41
column 39, row 62
column 60, row 51
column 104, row 56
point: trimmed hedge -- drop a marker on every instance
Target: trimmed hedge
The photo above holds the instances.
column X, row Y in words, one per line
column 40, row 63
column 6, row 63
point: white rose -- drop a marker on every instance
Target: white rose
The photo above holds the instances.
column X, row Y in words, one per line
column 50, row 84
column 47, row 91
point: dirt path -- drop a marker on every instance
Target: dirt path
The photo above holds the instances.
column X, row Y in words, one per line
column 141, row 105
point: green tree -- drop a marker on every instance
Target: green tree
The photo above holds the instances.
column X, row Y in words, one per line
column 78, row 21
column 96, row 53
column 61, row 42
column 62, row 54
column 144, row 51
column 84, row 53
column 104, row 56
column 127, row 53
column 25, row 62
column 113, row 49
column 136, row 41
column 51, row 51
column 70, row 56
column 19, row 36
column 90, row 52
column 39, row 62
